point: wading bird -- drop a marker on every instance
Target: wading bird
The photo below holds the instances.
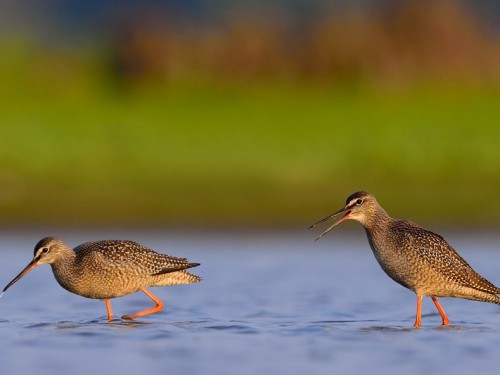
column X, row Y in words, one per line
column 109, row 269
column 414, row 257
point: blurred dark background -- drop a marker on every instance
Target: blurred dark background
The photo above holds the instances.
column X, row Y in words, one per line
column 247, row 114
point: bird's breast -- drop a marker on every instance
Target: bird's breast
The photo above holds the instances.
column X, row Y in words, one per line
column 393, row 259
column 98, row 282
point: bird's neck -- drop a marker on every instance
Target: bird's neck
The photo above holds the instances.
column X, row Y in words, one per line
column 378, row 222
column 64, row 268
column 378, row 230
column 67, row 258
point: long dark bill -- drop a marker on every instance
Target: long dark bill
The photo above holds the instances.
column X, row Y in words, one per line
column 29, row 267
column 336, row 213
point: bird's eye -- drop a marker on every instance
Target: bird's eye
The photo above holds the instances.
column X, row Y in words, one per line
column 359, row 202
column 45, row 249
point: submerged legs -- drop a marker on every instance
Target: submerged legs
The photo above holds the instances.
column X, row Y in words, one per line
column 158, row 307
column 417, row 323
column 419, row 312
column 441, row 311
column 108, row 308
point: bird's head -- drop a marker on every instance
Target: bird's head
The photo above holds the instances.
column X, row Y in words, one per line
column 360, row 206
column 47, row 250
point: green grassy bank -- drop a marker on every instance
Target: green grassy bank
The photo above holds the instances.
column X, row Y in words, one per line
column 76, row 150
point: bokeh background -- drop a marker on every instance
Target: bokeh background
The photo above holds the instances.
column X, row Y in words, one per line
column 247, row 114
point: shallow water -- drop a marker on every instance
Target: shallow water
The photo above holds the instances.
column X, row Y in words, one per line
column 268, row 303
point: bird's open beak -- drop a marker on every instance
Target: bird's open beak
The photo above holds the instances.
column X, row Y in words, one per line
column 345, row 217
column 33, row 264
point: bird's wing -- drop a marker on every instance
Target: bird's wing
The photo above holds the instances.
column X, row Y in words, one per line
column 441, row 257
column 129, row 253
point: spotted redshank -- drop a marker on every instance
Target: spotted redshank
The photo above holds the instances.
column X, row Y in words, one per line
column 414, row 257
column 109, row 269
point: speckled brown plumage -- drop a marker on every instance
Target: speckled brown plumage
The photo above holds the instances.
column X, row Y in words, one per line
column 414, row 257
column 109, row 269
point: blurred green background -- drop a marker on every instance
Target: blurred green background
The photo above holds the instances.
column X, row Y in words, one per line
column 248, row 114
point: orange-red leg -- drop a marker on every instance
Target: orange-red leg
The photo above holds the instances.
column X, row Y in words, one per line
column 108, row 308
column 419, row 312
column 158, row 307
column 441, row 311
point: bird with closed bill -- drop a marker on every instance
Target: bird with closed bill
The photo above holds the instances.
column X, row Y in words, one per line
column 110, row 269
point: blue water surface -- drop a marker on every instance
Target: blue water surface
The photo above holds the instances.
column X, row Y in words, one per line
column 269, row 303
